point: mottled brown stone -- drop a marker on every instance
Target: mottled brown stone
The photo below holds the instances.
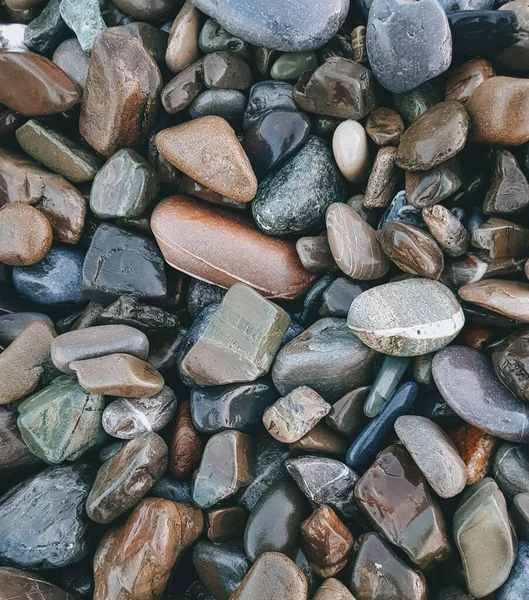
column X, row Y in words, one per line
column 383, row 180
column 14, row 454
column 182, row 48
column 315, row 254
column 509, row 298
column 184, row 88
column 426, row 188
column 447, row 230
column 221, row 247
column 186, row 446
column 463, row 80
column 25, row 235
column 226, row 523
column 385, row 127
column 474, row 337
column 16, row 584
column 501, row 238
column 321, row 439
column 476, row 448
column 332, row 589
column 135, row 560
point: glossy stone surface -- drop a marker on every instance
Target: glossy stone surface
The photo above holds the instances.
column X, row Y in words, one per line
column 384, row 179
column 46, row 31
column 387, row 318
column 227, row 465
column 385, row 127
column 481, row 521
column 15, row 456
column 386, row 382
column 266, row 96
column 214, row 38
column 510, row 360
column 43, row 525
column 186, row 445
column 351, row 150
column 338, row 297
column 293, row 200
column 397, row 501
column 426, row 188
column 347, row 414
column 476, row 448
column 180, row 92
column 463, row 80
column 447, row 230
column 321, row 439
column 508, row 298
column 467, row 382
column 315, row 254
column 311, row 359
column 23, row 584
column 501, row 238
column 182, row 47
column 122, row 262
column 511, row 469
column 228, row 104
column 126, row 310
column 136, row 559
column 226, row 523
column 123, row 480
column 509, row 188
column 226, row 70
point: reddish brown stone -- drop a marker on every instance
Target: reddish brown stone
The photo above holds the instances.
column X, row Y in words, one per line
column 25, row 235
column 474, row 337
column 476, row 448
column 321, row 439
column 23, row 585
column 462, row 81
column 509, row 298
column 226, row 523
column 384, row 126
column 186, row 448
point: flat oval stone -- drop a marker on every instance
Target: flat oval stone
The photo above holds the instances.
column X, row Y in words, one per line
column 186, row 444
column 31, row 535
column 266, row 96
column 434, row 137
column 23, row 584
column 93, row 342
column 182, row 47
column 52, row 91
column 350, row 149
column 276, row 26
column 25, row 235
column 517, row 585
column 123, row 480
column 15, row 456
column 71, row 58
column 332, row 589
column 508, row 298
column 293, row 200
column 126, row 418
column 511, row 469
column 388, row 319
column 311, row 359
column 61, row 421
column 124, row 73
column 467, row 382
column 447, row 230
column 434, row 454
column 408, row 43
column 511, row 363
column 385, row 127
column 234, row 247
column 354, row 244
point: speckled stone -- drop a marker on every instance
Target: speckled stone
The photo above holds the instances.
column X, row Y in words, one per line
column 385, row 127
column 351, row 151
column 508, row 298
column 447, row 230
column 45, row 32
column 388, row 319
column 426, row 188
column 85, row 19
column 509, row 190
column 384, row 179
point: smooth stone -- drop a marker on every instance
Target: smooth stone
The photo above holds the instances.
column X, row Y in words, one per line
column 473, row 267
column 16, row 583
column 514, row 57
column 122, row 71
column 354, row 245
column 468, row 384
column 325, row 481
column 200, row 295
column 26, row 356
column 351, row 152
column 85, row 19
column 510, row 360
column 274, row 138
column 434, row 454
column 228, row 104
column 15, row 456
column 401, row 212
column 127, row 418
column 148, row 10
column 122, row 262
column 226, row 523
column 171, row 489
column 397, row 501
column 347, row 414
column 266, row 96
column 388, row 377
column 497, row 111
column 226, row 70
column 291, row 65
column 155, row 40
column 407, row 43
column 410, row 105
column 180, row 91
column 374, row 436
column 189, row 187
column 385, row 127
column 437, row 135
column 221, row 567
column 310, row 359
column 511, row 469
column 93, row 342
column 238, row 343
column 227, row 465
column 426, row 188
column 278, row 27
column 422, row 369
column 283, row 505
column 321, row 439
column 520, row 511
column 186, row 445
column 293, row 416
column 508, row 298
column 396, row 580
column 207, row 150
column 72, row 59
column 332, row 589
column 52, row 91
column 501, row 238
column 214, row 38
column 313, row 299
column 61, row 421
column 447, row 230
column 123, row 480
column 476, row 448
column 463, row 80
column 509, row 190
column 293, row 200
column 337, row 298
column 482, row 522
column 44, row 33
column 384, row 179
column 43, row 525
column 338, row 88
column 25, row 235
column 182, row 46
column 315, row 254
column 236, row 406
column 517, row 585
column 136, row 559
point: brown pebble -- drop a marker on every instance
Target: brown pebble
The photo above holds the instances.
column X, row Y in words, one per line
column 509, row 298
column 447, row 230
column 509, row 189
column 226, row 523
column 321, row 439
column 186, row 447
column 226, row 71
column 383, row 180
column 426, row 188
column 25, row 235
column 476, row 448
column 332, row 589
column 118, row 375
column 474, row 337
column 184, row 88
column 315, row 254
column 182, row 48
column 502, row 239
column 358, row 39
column 463, row 80
column 385, row 127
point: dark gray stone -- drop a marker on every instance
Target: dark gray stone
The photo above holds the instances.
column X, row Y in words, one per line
column 47, row 31
column 11, row 324
column 228, row 104
column 214, row 38
column 266, row 96
column 201, row 294
column 511, row 469
column 517, row 586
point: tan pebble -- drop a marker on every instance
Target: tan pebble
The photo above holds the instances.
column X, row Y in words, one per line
column 25, row 235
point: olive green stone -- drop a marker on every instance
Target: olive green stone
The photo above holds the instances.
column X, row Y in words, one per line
column 413, row 103
column 57, row 152
column 61, row 421
column 292, row 65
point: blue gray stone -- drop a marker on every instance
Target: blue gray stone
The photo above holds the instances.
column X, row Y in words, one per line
column 228, row 104
column 517, row 586
column 84, row 18
column 400, row 211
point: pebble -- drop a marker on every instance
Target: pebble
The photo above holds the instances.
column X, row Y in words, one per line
column 516, row 585
column 182, row 46
column 463, row 80
column 26, row 235
column 268, row 96
column 338, row 297
column 226, row 70
column 332, row 589
column 32, row 536
column 47, row 31
column 126, row 310
column 321, row 439
column 61, row 421
column 427, row 188
column 123, row 480
column 383, row 180
column 310, row 359
column 413, row 103
column 468, row 384
column 85, row 19
column 180, row 92
column 514, row 56
column 351, row 151
column 347, row 414
column 510, row 360
column 386, row 382
column 509, row 188
column 501, row 238
column 15, row 456
column 482, row 518
column 186, row 446
column 72, row 59
column 23, row 584
column 228, row 104
column 126, row 418
column 447, row 230
column 214, row 38
column 291, row 65
column 401, row 212
column 407, row 43
column 385, row 127
column 396, row 499
column 293, row 200
column 315, row 254
column 509, row 298
column 520, row 511
column 387, row 319
column 511, row 469
column 476, row 448
column 227, row 465
column 226, row 523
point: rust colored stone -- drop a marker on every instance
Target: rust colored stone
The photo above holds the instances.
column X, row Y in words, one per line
column 476, row 448
column 223, row 248
column 509, row 298
column 321, row 439
column 16, row 584
column 474, row 337
column 384, row 126
column 462, row 81
column 186, row 448
column 25, row 235
column 226, row 523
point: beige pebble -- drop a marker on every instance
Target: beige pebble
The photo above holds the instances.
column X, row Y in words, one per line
column 351, row 152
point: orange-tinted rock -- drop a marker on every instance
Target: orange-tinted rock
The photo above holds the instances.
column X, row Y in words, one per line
column 384, row 126
column 476, row 448
column 223, row 248
column 208, row 150
column 134, row 561
column 185, row 450
column 32, row 85
column 182, row 48
column 474, row 337
column 462, row 81
column 25, row 235
column 321, row 439
column 121, row 94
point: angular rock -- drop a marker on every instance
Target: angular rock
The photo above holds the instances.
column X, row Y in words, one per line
column 337, row 298
column 501, row 238
column 44, row 33
column 509, row 191
column 214, row 38
column 509, row 298
column 266, row 96
column 226, row 523
column 510, row 359
column 321, row 439
column 85, row 19
column 476, row 448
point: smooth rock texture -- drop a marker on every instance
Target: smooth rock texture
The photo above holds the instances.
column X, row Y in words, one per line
column 182, row 47
column 338, row 297
column 509, row 189
column 180, row 92
column 315, row 254
column 463, row 80
column 321, row 439
column 388, row 378
column 508, row 298
column 16, row 583
column 350, row 149
column 501, row 238
column 510, row 360
column 228, row 104
column 426, row 188
column 517, row 585
column 72, row 59
column 25, row 235
column 511, row 469
column 385, row 127
column 347, row 414
column 186, row 445
column 388, row 319
column 291, row 65
column 520, row 512
column 226, row 70
column 332, row 589
column 226, row 523
column 214, row 38
column 266, row 96
column 447, row 230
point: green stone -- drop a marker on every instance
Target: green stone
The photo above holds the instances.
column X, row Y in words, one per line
column 57, row 152
column 61, row 421
column 413, row 103
column 292, row 65
column 388, row 378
